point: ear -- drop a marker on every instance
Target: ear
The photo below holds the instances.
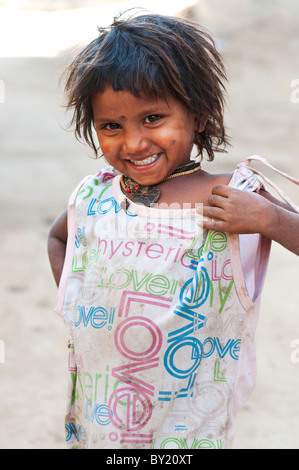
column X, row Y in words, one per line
column 200, row 123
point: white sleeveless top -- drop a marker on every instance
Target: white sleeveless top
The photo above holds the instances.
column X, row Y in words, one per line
column 161, row 321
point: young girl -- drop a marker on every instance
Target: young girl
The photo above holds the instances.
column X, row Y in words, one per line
column 160, row 264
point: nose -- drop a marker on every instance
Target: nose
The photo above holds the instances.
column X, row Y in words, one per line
column 135, row 143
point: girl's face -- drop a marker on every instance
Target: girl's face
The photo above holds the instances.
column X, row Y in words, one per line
column 143, row 138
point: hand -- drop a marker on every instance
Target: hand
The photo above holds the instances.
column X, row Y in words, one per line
column 236, row 211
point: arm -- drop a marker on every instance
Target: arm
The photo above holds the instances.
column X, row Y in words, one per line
column 57, row 245
column 236, row 211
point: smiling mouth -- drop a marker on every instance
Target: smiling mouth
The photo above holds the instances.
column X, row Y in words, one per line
column 146, row 161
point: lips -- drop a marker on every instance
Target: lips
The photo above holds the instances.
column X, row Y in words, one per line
column 146, row 161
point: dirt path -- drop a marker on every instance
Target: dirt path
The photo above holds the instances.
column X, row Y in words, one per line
column 40, row 165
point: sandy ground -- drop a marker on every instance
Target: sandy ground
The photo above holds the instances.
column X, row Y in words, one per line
column 40, row 165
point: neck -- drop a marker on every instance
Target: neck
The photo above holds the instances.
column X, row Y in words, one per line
column 148, row 195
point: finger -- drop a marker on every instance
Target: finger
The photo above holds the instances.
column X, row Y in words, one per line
column 221, row 190
column 213, row 212
column 216, row 200
column 214, row 225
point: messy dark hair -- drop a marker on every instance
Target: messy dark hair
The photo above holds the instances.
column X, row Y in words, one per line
column 155, row 56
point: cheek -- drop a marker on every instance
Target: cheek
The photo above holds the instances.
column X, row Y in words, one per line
column 174, row 136
column 183, row 133
column 106, row 146
column 182, row 140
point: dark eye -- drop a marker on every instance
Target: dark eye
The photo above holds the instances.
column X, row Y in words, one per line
column 153, row 118
column 111, row 126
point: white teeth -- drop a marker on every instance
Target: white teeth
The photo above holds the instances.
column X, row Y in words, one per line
column 147, row 161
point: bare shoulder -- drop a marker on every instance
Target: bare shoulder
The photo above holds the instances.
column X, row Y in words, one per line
column 218, row 179
column 209, row 181
column 194, row 188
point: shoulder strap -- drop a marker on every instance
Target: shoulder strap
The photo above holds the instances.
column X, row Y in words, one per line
column 246, row 164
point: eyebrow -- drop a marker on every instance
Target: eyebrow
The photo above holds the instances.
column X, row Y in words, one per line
column 121, row 118
column 147, row 112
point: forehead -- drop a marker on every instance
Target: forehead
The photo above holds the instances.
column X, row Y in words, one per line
column 123, row 103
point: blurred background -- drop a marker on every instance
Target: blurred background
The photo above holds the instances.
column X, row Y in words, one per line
column 41, row 163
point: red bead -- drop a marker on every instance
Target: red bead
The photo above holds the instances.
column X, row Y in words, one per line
column 136, row 187
column 128, row 190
